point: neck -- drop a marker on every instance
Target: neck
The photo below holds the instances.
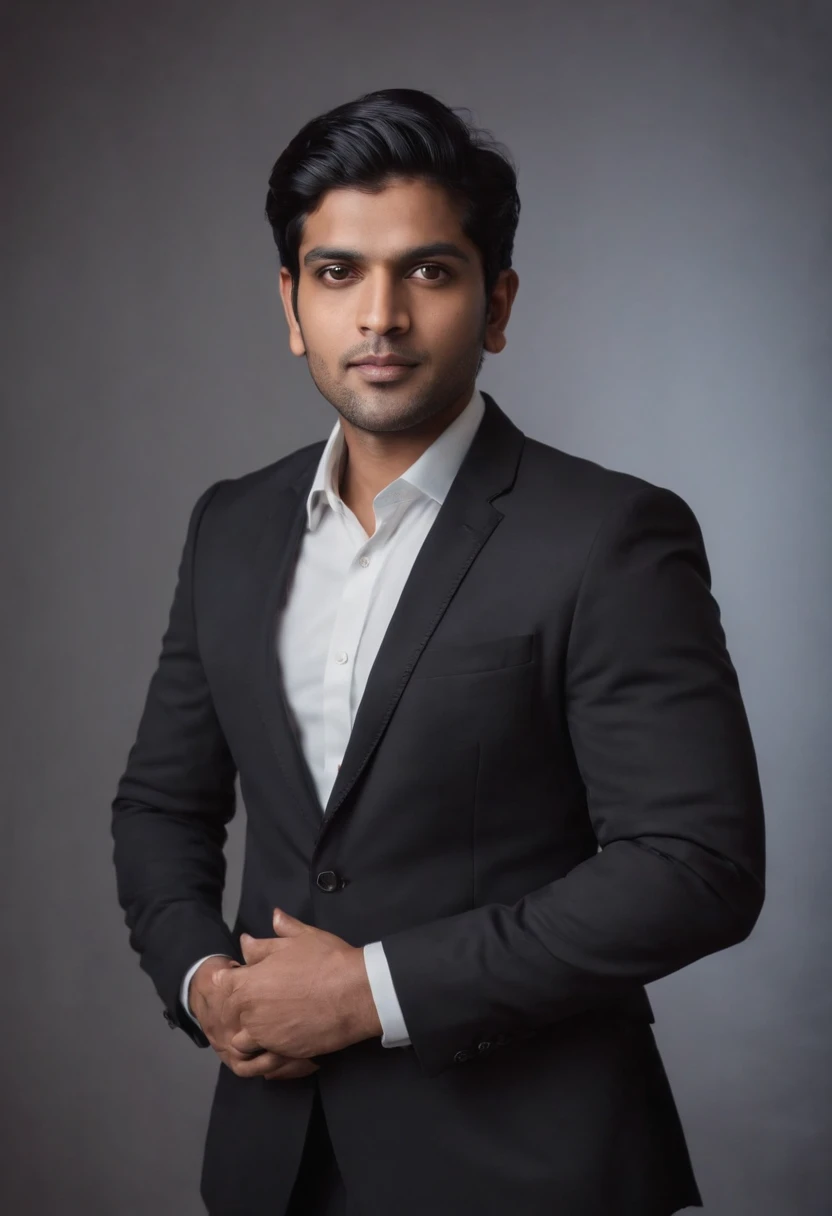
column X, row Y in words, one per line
column 373, row 459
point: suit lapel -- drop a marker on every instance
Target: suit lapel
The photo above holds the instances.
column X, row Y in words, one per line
column 464, row 523
column 275, row 560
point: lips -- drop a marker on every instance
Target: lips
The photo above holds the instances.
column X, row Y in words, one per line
column 380, row 372
column 383, row 361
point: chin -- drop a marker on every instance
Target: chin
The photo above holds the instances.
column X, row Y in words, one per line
column 375, row 411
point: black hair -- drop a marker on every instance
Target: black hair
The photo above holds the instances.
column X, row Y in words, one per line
column 397, row 133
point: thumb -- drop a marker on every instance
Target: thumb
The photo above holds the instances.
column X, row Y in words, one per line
column 254, row 949
column 286, row 925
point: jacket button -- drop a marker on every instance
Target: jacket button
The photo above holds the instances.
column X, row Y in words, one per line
column 461, row 1057
column 169, row 1020
column 483, row 1046
column 328, row 880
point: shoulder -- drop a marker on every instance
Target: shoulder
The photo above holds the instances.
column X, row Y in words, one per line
column 617, row 524
column 275, row 476
column 253, row 493
column 594, row 498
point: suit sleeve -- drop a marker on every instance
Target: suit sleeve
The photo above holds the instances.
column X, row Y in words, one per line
column 171, row 809
column 662, row 742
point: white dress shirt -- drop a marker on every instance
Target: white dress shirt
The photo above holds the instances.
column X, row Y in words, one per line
column 343, row 592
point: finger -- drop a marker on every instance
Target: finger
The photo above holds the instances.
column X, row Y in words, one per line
column 255, row 948
column 242, row 1057
column 225, row 979
column 288, row 926
column 244, row 1042
column 291, row 1069
column 242, row 1066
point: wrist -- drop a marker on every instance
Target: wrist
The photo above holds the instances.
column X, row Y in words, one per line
column 201, row 981
column 358, row 1003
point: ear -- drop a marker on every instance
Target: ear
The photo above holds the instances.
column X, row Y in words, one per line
column 296, row 343
column 499, row 310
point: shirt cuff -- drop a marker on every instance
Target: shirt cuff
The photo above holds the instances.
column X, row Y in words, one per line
column 384, row 994
column 183, row 994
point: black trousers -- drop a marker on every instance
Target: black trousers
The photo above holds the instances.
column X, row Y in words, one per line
column 319, row 1188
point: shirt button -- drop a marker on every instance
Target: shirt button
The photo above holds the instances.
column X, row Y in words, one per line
column 363, row 561
column 342, row 657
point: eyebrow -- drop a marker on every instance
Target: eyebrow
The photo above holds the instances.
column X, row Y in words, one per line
column 322, row 253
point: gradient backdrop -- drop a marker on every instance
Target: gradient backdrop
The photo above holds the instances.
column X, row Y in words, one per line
column 673, row 320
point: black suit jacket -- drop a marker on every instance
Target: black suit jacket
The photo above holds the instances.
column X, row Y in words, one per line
column 550, row 798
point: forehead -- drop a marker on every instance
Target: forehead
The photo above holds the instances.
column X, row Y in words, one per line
column 400, row 214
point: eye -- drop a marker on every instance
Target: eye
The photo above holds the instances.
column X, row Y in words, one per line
column 325, row 270
column 434, row 266
column 338, row 266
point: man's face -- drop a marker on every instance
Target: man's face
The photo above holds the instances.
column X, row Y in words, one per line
column 391, row 273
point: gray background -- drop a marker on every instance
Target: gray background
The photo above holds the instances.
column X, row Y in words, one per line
column 672, row 320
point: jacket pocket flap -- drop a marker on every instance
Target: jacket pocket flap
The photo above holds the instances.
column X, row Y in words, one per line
column 464, row 658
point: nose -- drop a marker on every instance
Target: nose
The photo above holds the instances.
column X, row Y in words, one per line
column 382, row 305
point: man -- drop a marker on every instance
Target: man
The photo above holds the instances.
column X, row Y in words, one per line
column 496, row 766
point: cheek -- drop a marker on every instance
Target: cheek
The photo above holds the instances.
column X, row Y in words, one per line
column 321, row 367
column 322, row 325
column 455, row 334
column 451, row 319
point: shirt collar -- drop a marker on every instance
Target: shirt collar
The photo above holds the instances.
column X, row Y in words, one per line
column 432, row 474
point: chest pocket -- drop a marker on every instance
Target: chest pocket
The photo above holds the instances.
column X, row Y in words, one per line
column 470, row 658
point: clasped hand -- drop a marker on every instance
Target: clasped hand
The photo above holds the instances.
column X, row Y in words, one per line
column 301, row 994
